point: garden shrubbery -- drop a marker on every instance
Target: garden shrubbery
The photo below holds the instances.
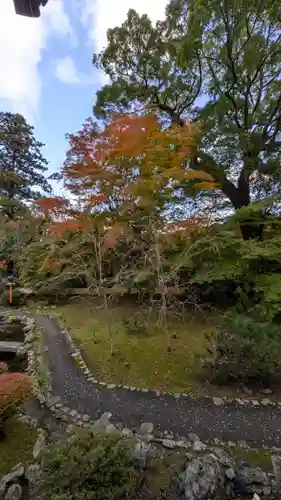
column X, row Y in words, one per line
column 247, row 351
column 87, row 466
column 15, row 391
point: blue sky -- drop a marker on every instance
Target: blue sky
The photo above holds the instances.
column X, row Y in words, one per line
column 46, row 64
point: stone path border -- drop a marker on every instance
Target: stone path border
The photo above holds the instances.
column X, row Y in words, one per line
column 75, row 397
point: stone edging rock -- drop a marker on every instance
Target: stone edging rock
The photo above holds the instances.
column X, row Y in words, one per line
column 76, row 354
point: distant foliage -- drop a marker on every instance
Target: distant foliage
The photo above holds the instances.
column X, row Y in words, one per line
column 247, row 351
column 87, row 467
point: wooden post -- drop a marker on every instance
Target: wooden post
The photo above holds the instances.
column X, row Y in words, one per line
column 11, row 294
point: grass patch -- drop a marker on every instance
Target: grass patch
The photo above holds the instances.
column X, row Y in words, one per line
column 17, row 446
column 255, row 456
column 140, row 359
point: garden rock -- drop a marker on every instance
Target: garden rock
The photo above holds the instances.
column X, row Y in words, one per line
column 251, row 480
column 218, row 401
column 169, row 443
column 199, row 446
column 14, row 492
column 202, row 479
column 142, row 453
column 276, row 465
column 146, row 428
column 39, row 445
column 32, row 473
column 12, row 477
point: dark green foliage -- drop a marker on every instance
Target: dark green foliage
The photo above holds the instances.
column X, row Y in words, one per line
column 247, row 350
column 22, row 165
column 135, row 325
column 87, row 467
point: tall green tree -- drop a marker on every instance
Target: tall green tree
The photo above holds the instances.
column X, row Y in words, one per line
column 22, row 165
column 213, row 61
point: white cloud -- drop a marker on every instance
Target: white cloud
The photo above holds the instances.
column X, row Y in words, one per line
column 22, row 40
column 100, row 15
column 66, row 72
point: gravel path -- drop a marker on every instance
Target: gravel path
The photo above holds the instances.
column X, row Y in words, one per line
column 256, row 426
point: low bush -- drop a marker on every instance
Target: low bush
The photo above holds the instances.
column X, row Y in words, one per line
column 15, row 391
column 87, row 466
column 247, row 351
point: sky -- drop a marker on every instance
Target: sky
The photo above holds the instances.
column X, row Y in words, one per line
column 46, row 64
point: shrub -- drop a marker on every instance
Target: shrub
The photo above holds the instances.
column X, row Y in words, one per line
column 15, row 391
column 247, row 351
column 87, row 466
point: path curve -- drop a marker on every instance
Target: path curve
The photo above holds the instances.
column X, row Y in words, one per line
column 255, row 425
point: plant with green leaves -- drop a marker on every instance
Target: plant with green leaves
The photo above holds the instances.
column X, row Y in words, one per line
column 217, row 63
column 87, row 466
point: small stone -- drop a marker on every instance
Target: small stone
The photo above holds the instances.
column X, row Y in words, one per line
column 230, row 474
column 218, row 401
column 276, row 465
column 240, row 401
column 193, row 437
column 104, row 419
column 73, row 413
column 169, row 443
column 256, row 497
column 32, row 473
column 247, row 391
column 265, row 402
column 146, row 428
column 86, row 418
column 76, row 354
column 127, row 433
column 14, row 492
column 199, row 446
column 111, row 386
column 59, row 405
column 39, row 445
column 266, row 491
column 70, row 429
column 144, row 390
column 255, row 402
column 231, row 444
column 267, row 392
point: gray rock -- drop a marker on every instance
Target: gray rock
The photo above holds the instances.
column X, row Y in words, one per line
column 39, row 445
column 193, row 437
column 265, row 402
column 224, row 458
column 146, row 428
column 127, row 433
column 32, row 473
column 267, row 391
column 169, row 443
column 111, row 386
column 104, row 419
column 202, row 478
column 218, row 401
column 199, row 446
column 276, row 465
column 73, row 413
column 16, row 473
column 230, row 474
column 255, row 402
column 86, row 418
column 247, row 391
column 141, row 453
column 14, row 492
column 256, row 497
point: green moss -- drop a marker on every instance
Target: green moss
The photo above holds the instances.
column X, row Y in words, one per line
column 17, row 446
column 255, row 456
column 139, row 360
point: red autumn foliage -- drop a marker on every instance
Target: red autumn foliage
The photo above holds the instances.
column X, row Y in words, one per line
column 98, row 198
column 15, row 390
column 62, row 227
column 48, row 205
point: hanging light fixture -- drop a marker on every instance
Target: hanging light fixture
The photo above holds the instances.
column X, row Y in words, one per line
column 29, row 8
